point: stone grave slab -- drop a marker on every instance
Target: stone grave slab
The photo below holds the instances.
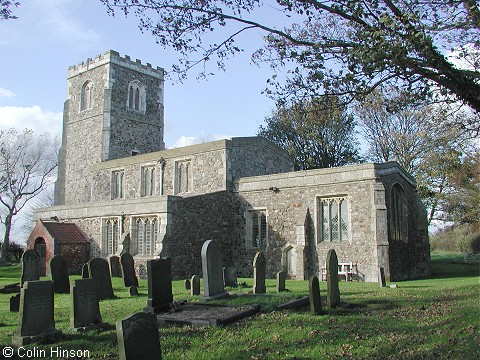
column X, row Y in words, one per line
column 294, row 304
column 230, row 276
column 281, row 278
column 195, row 285
column 314, row 296
column 99, row 270
column 381, row 277
column 259, row 264
column 138, row 337
column 115, row 267
column 15, row 303
column 36, row 313
column 212, row 270
column 30, row 262
column 188, row 284
column 128, row 270
column 84, row 305
column 59, row 271
column 333, row 291
column 159, row 280
column 10, row 288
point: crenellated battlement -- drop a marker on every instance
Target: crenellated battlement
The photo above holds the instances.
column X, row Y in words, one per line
column 112, row 56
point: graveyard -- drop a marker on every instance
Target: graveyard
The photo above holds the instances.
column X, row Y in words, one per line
column 435, row 318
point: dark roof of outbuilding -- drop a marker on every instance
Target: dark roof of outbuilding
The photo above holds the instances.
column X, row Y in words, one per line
column 65, row 233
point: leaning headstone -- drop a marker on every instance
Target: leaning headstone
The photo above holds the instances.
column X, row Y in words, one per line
column 381, row 277
column 85, row 274
column 195, row 281
column 98, row 269
column 230, row 276
column 36, row 313
column 133, row 291
column 138, row 338
column 128, row 269
column 15, row 303
column 314, row 296
column 160, row 294
column 115, row 268
column 84, row 306
column 59, row 271
column 188, row 284
column 281, row 277
column 259, row 264
column 212, row 270
column 333, row 291
column 30, row 261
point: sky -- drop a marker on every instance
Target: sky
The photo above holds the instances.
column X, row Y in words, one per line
column 49, row 36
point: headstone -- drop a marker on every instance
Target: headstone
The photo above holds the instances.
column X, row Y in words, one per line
column 159, row 280
column 84, row 306
column 230, row 276
column 115, row 268
column 333, row 292
column 259, row 264
column 188, row 284
column 195, row 290
column 281, row 278
column 30, row 262
column 314, row 296
column 36, row 313
column 59, row 271
column 128, row 269
column 212, row 270
column 133, row 291
column 98, row 269
column 15, row 303
column 138, row 338
column 381, row 277
column 85, row 274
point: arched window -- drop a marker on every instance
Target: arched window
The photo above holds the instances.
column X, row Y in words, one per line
column 86, row 98
column 334, row 219
column 146, row 235
column 398, row 214
column 110, row 235
column 136, row 97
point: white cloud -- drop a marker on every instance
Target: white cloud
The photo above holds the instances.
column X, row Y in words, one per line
column 32, row 117
column 192, row 140
column 5, row 93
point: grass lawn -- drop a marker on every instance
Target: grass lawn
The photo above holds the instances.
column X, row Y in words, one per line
column 436, row 318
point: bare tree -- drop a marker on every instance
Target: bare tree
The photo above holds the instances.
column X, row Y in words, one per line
column 27, row 167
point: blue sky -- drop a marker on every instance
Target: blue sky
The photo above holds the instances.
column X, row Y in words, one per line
column 49, row 36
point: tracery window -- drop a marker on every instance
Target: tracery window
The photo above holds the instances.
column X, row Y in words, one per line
column 146, row 235
column 117, row 187
column 110, row 236
column 334, row 219
column 256, row 221
column 86, row 97
column 147, row 185
column 136, row 96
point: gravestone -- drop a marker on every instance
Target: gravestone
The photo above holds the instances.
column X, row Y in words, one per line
column 15, row 303
column 381, row 277
column 115, row 268
column 195, row 282
column 133, row 291
column 259, row 264
column 230, row 276
column 85, row 274
column 159, row 280
column 84, row 305
column 138, row 338
column 98, row 269
column 36, row 320
column 59, row 271
column 314, row 296
column 212, row 270
column 281, row 277
column 188, row 284
column 333, row 292
column 30, row 263
column 128, row 269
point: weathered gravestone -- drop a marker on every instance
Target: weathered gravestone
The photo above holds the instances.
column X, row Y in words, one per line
column 138, row 338
column 59, row 271
column 98, row 269
column 259, row 264
column 281, row 277
column 133, row 291
column 381, row 277
column 333, row 292
column 314, row 296
column 36, row 313
column 115, row 268
column 30, row 262
column 84, row 306
column 230, row 276
column 188, row 284
column 128, row 269
column 195, row 282
column 212, row 270
column 85, row 274
column 15, row 303
column 159, row 280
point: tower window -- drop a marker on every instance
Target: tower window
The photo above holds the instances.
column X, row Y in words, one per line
column 86, row 98
column 136, row 97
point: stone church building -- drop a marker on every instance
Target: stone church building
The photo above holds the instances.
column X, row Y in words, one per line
column 124, row 192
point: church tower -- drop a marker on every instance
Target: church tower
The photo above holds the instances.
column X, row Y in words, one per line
column 114, row 109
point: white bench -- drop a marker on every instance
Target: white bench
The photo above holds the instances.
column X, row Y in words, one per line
column 346, row 269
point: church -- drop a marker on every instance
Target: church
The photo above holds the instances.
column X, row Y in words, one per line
column 119, row 190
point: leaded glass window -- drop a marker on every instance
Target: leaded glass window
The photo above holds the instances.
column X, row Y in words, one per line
column 256, row 228
column 110, row 236
column 334, row 219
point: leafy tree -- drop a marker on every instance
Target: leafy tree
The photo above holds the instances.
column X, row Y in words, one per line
column 317, row 133
column 338, row 47
column 27, row 165
column 6, row 9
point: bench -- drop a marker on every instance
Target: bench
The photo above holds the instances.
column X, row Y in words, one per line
column 346, row 269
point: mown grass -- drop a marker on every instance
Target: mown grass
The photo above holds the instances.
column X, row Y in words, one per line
column 436, row 318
